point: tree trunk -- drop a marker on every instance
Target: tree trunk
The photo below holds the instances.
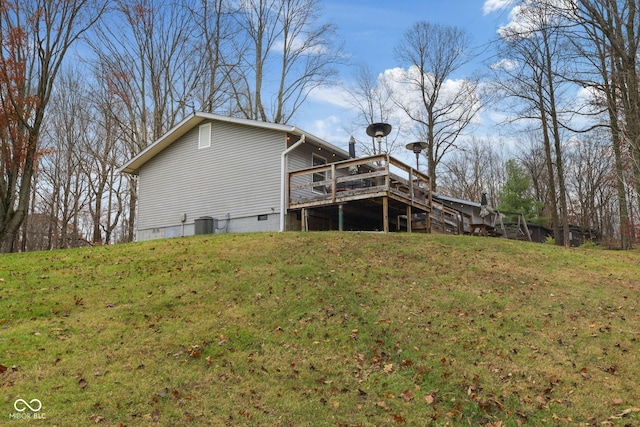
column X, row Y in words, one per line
column 553, row 113
column 133, row 200
column 552, row 194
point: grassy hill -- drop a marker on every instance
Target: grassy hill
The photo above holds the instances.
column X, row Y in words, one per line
column 321, row 329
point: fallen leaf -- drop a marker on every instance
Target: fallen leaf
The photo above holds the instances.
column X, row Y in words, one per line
column 429, row 399
column 194, row 351
column 407, row 395
column 452, row 413
column 398, row 419
column 383, row 405
column 627, row 412
column 585, row 374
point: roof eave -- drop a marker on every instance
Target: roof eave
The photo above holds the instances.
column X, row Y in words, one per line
column 133, row 166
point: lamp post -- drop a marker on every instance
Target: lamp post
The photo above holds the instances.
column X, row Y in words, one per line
column 379, row 130
column 417, row 147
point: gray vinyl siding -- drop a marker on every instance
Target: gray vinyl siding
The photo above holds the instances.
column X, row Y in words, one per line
column 301, row 157
column 238, row 176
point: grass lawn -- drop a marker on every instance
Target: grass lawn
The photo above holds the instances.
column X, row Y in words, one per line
column 320, row 329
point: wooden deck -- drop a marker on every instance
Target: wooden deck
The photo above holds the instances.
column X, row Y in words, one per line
column 362, row 184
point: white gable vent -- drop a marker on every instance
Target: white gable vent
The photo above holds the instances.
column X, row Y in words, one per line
column 204, row 139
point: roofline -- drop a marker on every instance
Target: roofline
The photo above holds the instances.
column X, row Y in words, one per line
column 455, row 200
column 189, row 122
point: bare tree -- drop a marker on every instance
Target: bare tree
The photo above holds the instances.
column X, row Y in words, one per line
column 146, row 56
column 590, row 183
column 532, row 156
column 617, row 21
column 214, row 61
column 534, row 47
column 36, row 36
column 442, row 109
column 371, row 97
column 606, row 39
column 472, row 170
column 105, row 147
column 282, row 36
column 62, row 185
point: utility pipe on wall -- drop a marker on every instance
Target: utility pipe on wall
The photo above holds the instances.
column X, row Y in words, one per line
column 283, row 183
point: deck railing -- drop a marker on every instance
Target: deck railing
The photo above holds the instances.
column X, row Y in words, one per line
column 447, row 220
column 355, row 179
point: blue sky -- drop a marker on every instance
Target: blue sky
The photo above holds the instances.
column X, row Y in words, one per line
column 371, row 29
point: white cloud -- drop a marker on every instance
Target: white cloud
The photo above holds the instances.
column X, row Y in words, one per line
column 334, row 95
column 520, row 23
column 505, row 64
column 327, row 114
column 588, row 100
column 406, row 93
column 527, row 17
column 330, row 113
column 328, row 128
column 495, row 5
column 298, row 45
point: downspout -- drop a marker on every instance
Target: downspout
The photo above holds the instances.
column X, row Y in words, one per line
column 283, row 183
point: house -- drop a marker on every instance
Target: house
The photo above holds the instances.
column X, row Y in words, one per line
column 212, row 174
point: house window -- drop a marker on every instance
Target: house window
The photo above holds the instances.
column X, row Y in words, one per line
column 204, row 138
column 319, row 176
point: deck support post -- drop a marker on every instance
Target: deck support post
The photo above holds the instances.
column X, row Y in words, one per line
column 303, row 220
column 340, row 218
column 385, row 214
column 408, row 218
